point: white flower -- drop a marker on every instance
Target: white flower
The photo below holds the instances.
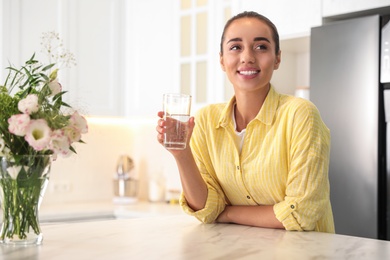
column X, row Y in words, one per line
column 55, row 87
column 79, row 122
column 13, row 171
column 4, row 150
column 59, row 143
column 18, row 124
column 72, row 133
column 38, row 134
column 2, row 144
column 29, row 104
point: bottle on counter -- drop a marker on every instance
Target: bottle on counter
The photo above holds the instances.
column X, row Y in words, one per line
column 157, row 187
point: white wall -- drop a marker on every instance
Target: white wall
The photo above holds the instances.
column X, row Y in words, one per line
column 88, row 175
column 150, row 57
column 294, row 69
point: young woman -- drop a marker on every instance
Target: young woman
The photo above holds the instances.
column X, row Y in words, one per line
column 261, row 159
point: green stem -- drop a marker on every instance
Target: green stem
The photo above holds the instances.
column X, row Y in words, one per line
column 21, row 197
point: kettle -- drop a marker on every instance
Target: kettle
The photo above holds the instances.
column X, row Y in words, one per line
column 125, row 181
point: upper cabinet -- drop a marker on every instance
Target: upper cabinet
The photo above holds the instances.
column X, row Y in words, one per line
column 200, row 24
column 124, row 51
column 91, row 30
column 131, row 52
column 342, row 7
column 293, row 18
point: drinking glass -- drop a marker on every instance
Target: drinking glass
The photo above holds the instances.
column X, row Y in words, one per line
column 176, row 109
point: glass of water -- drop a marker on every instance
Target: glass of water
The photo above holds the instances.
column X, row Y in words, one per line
column 176, row 109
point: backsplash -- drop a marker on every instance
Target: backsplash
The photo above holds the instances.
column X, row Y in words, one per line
column 88, row 175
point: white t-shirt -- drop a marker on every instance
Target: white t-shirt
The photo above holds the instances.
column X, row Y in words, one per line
column 239, row 135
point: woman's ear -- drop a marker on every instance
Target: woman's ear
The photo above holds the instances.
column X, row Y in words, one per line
column 278, row 60
column 221, row 62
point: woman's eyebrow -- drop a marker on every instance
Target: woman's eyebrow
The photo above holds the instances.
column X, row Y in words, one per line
column 256, row 39
column 235, row 40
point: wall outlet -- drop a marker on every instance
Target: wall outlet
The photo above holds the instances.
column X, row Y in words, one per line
column 60, row 186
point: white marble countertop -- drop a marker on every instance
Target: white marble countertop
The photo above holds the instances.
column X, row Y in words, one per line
column 183, row 237
column 100, row 210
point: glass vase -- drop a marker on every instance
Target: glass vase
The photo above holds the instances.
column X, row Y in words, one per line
column 23, row 181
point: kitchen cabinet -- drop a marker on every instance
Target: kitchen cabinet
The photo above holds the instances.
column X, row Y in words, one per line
column 92, row 34
column 292, row 18
column 123, row 49
column 199, row 26
column 128, row 52
column 343, row 7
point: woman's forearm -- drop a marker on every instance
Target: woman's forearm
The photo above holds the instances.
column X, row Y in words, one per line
column 194, row 187
column 259, row 216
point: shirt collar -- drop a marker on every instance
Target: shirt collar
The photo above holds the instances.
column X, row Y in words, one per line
column 265, row 115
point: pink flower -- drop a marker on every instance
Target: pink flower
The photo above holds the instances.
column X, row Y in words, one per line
column 29, row 104
column 79, row 122
column 59, row 143
column 38, row 134
column 18, row 124
column 55, row 87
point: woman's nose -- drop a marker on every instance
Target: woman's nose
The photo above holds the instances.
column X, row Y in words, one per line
column 247, row 56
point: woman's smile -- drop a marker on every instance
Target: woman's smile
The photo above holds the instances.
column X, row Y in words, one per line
column 248, row 72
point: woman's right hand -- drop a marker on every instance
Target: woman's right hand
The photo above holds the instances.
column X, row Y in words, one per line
column 161, row 128
column 193, row 185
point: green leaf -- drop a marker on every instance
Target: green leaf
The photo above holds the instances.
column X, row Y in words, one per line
column 48, row 67
column 72, row 149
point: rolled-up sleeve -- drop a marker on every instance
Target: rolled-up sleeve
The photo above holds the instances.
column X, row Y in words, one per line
column 307, row 189
column 214, row 206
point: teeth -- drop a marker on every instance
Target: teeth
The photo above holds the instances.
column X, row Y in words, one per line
column 248, row 72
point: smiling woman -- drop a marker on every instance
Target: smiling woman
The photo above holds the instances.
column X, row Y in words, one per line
column 262, row 158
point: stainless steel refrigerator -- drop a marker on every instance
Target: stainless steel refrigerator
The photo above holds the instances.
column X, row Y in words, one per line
column 345, row 85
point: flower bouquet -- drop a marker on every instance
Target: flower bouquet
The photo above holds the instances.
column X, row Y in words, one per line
column 36, row 126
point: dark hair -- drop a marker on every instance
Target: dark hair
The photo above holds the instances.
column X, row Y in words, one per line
column 251, row 14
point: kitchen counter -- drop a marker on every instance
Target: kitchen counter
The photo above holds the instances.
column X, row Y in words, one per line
column 183, row 237
column 100, row 210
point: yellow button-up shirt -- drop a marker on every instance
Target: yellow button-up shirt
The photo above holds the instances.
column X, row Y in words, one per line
column 284, row 162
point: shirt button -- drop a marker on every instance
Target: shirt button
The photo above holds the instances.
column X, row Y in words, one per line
column 292, row 207
column 238, row 167
column 248, row 197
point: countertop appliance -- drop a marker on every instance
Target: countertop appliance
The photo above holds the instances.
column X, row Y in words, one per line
column 125, row 181
column 345, row 85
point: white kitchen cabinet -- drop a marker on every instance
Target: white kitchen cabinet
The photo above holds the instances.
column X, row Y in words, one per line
column 341, row 7
column 123, row 49
column 293, row 18
column 199, row 28
column 128, row 52
column 89, row 29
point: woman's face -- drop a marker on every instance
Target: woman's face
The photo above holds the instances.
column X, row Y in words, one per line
column 249, row 57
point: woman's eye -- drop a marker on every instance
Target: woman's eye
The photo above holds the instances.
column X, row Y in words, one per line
column 235, row 47
column 261, row 47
